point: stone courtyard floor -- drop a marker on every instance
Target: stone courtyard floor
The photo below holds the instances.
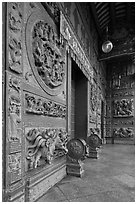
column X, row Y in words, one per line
column 110, row 178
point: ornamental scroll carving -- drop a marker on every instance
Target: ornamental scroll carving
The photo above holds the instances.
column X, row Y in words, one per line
column 14, row 129
column 123, row 108
column 14, row 109
column 15, row 35
column 46, row 107
column 93, row 97
column 48, row 59
column 123, row 132
column 46, row 144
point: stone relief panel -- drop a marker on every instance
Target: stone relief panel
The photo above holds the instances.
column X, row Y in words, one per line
column 93, row 98
column 123, row 108
column 44, row 145
column 15, row 20
column 46, row 54
column 40, row 106
column 14, row 167
column 14, row 129
column 14, row 114
column 123, row 132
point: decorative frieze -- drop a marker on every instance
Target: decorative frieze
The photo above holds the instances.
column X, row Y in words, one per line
column 15, row 13
column 123, row 122
column 40, row 106
column 75, row 46
column 45, row 144
column 123, row 93
column 123, row 108
column 123, row 132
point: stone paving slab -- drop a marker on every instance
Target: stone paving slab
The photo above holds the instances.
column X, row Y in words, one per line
column 111, row 178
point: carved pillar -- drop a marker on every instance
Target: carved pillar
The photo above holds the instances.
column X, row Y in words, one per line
column 76, row 153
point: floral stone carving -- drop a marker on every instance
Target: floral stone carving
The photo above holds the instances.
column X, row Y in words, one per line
column 123, row 107
column 36, row 105
column 123, row 132
column 45, row 144
column 15, row 35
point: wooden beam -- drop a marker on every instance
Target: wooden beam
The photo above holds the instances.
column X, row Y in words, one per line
column 93, row 9
column 112, row 15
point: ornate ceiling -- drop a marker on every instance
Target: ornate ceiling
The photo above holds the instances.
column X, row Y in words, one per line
column 113, row 14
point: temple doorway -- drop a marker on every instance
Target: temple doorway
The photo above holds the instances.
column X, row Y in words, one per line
column 79, row 103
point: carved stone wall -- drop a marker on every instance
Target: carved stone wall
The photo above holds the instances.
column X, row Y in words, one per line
column 120, row 113
column 13, row 180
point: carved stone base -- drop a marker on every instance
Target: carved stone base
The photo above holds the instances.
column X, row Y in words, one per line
column 93, row 153
column 75, row 168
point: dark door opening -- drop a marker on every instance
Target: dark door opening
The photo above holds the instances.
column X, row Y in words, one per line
column 79, row 91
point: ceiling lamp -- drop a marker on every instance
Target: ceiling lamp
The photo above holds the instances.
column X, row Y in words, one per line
column 107, row 45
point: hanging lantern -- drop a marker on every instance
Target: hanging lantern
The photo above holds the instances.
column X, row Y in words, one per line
column 107, row 45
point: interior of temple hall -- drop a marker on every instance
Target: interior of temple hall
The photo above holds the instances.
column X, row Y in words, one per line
column 68, row 101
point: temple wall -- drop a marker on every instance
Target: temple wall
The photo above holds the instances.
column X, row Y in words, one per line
column 37, row 60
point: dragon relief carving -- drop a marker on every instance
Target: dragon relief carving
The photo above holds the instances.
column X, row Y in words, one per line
column 123, row 107
column 123, row 132
column 15, row 33
column 45, row 144
column 47, row 56
column 44, row 107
